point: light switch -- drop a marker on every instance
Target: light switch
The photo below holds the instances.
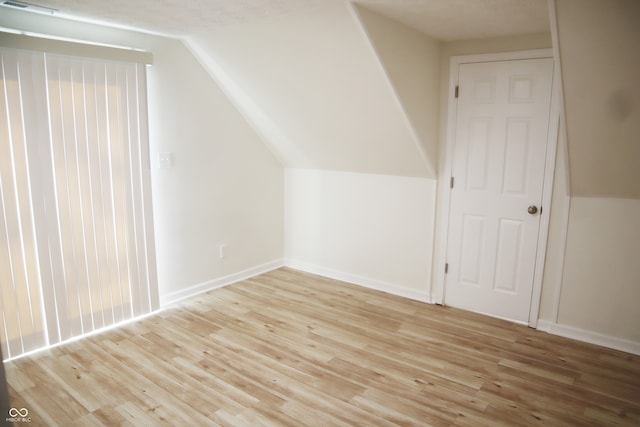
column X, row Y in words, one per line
column 165, row 160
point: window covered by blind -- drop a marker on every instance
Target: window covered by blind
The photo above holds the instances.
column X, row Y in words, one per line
column 76, row 235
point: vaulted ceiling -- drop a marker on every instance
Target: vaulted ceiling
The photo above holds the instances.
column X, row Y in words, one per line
column 327, row 84
column 314, row 87
column 371, row 106
column 440, row 19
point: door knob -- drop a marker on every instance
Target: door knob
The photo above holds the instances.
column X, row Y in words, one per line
column 533, row 209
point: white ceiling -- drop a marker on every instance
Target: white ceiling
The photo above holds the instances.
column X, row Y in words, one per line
column 441, row 19
column 466, row 19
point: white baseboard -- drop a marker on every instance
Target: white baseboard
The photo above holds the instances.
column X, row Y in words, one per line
column 615, row 343
column 355, row 279
column 566, row 331
column 173, row 297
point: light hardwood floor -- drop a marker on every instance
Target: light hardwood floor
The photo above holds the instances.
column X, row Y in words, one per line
column 289, row 348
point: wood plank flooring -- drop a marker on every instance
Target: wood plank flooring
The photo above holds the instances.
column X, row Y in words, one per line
column 291, row 349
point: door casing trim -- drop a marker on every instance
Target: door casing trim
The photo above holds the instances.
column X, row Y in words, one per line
column 548, row 178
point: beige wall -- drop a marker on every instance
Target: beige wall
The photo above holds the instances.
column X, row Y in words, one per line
column 601, row 285
column 411, row 61
column 225, row 186
column 599, row 44
column 312, row 85
column 373, row 230
column 600, row 61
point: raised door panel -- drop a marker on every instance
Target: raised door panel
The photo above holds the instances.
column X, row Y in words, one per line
column 498, row 161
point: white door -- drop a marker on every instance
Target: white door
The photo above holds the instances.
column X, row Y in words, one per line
column 498, row 167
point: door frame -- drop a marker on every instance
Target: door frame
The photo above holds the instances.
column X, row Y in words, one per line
column 548, row 176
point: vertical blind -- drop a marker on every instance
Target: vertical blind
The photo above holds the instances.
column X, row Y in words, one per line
column 76, row 232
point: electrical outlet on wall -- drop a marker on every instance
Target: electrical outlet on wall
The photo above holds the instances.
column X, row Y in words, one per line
column 165, row 160
column 224, row 250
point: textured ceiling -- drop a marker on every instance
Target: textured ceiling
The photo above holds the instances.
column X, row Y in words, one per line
column 441, row 19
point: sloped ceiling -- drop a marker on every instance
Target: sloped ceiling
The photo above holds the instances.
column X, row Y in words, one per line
column 327, row 100
column 600, row 58
column 411, row 61
column 319, row 81
column 441, row 19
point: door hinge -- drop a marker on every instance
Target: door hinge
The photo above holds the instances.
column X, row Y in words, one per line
column 452, row 182
column 446, row 267
column 457, row 91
